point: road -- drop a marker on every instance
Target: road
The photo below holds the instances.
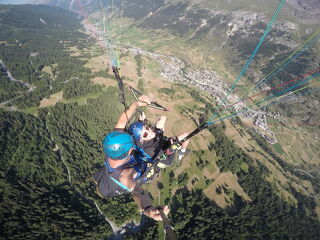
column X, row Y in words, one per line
column 116, row 229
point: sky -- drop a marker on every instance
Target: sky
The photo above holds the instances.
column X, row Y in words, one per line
column 13, row 1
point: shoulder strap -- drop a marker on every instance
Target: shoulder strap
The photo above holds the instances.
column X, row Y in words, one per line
column 121, row 184
column 116, row 174
column 146, row 156
column 159, row 133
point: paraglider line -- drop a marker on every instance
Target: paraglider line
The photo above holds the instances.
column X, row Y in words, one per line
column 275, row 101
column 252, row 56
column 266, row 91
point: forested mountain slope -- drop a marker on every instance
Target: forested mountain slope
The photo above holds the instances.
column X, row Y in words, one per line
column 37, row 200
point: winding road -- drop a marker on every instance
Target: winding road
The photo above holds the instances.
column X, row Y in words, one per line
column 116, row 229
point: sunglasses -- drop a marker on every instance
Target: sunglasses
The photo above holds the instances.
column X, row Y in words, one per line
column 146, row 132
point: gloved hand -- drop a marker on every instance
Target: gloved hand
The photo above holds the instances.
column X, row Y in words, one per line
column 154, row 213
column 143, row 101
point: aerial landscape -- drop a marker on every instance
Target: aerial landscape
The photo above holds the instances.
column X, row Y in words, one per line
column 240, row 80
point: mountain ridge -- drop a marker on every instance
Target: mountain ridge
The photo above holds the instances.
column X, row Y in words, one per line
column 308, row 11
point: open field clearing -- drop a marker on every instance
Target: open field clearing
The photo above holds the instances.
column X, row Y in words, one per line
column 52, row 100
column 229, row 181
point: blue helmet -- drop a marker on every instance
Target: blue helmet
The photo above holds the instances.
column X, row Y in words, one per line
column 135, row 129
column 117, row 145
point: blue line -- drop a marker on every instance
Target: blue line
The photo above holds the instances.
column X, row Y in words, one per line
column 281, row 68
column 288, row 89
column 121, row 184
column 235, row 114
column 287, row 63
column 253, row 54
column 278, row 101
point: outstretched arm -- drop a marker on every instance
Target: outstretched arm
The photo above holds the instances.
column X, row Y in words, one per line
column 141, row 197
column 126, row 115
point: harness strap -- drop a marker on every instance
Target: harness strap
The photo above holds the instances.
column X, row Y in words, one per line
column 121, row 184
column 159, row 133
column 147, row 157
column 119, row 170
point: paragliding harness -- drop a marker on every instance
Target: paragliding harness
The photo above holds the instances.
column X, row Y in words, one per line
column 155, row 163
column 159, row 163
column 107, row 179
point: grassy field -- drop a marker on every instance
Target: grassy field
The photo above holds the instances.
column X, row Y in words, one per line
column 31, row 110
column 230, row 185
column 98, row 63
column 297, row 144
column 104, row 81
column 278, row 148
column 48, row 70
column 82, row 100
column 52, row 100
column 278, row 177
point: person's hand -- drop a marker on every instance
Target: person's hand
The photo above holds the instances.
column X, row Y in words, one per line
column 142, row 117
column 154, row 213
column 143, row 101
column 174, row 140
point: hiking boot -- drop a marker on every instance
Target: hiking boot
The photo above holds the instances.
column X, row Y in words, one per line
column 182, row 154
